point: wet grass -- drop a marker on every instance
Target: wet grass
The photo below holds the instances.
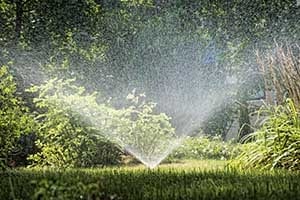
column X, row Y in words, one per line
column 183, row 165
column 185, row 180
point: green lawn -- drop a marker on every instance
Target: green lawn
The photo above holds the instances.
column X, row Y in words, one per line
column 184, row 165
column 186, row 180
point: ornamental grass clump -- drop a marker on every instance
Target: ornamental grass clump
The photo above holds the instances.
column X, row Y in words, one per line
column 277, row 143
column 281, row 71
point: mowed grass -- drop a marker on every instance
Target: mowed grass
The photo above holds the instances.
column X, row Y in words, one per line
column 184, row 180
column 182, row 165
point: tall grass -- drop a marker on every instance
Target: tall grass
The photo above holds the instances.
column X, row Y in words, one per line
column 277, row 143
column 159, row 184
column 281, row 69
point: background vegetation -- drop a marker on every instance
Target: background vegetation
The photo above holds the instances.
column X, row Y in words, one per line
column 48, row 48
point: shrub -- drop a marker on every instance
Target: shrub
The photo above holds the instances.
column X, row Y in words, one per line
column 65, row 139
column 206, row 147
column 277, row 143
column 15, row 119
column 142, row 131
column 72, row 121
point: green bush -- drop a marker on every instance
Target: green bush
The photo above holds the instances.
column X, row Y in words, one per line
column 76, row 130
column 15, row 119
column 206, row 147
column 277, row 143
column 65, row 139
column 142, row 131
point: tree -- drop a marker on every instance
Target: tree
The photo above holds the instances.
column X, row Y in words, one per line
column 15, row 119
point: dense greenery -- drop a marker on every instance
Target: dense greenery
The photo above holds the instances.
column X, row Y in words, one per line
column 72, row 123
column 150, row 184
column 277, row 143
column 206, row 147
column 64, row 138
column 15, row 119
column 54, row 55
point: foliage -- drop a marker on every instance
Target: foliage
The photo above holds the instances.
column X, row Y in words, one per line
column 141, row 130
column 163, row 184
column 206, row 147
column 64, row 138
column 15, row 120
column 277, row 143
column 129, row 43
column 71, row 122
column 111, row 42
